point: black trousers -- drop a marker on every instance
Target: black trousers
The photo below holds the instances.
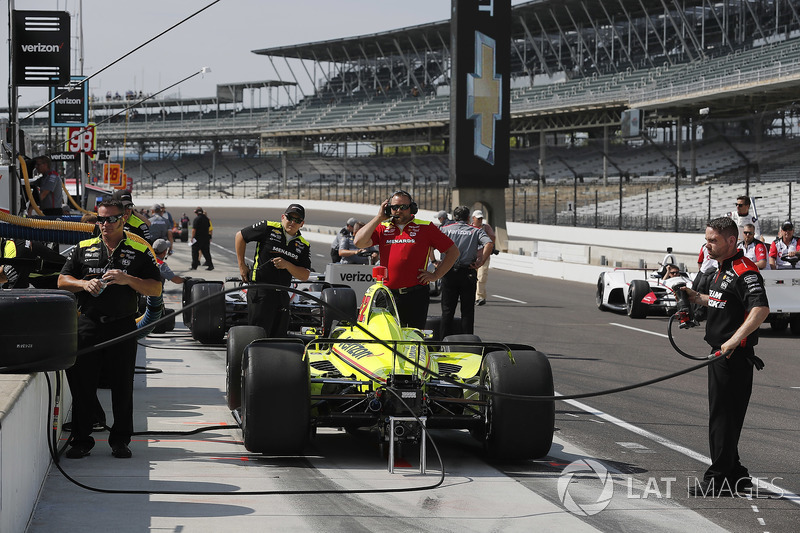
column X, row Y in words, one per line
column 730, row 383
column 117, row 363
column 268, row 308
column 412, row 306
column 459, row 284
column 201, row 246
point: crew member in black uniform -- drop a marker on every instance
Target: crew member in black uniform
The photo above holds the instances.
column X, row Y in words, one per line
column 281, row 253
column 26, row 263
column 106, row 272
column 461, row 281
column 133, row 222
column 737, row 305
column 201, row 240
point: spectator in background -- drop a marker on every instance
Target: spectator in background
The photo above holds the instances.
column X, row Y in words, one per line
column 160, row 226
column 483, row 271
column 743, row 216
column 754, row 249
column 51, row 192
column 352, row 255
column 346, row 231
column 443, row 219
column 161, row 247
column 201, row 240
column 785, row 246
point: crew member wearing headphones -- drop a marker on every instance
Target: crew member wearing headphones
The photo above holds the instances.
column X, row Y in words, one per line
column 405, row 243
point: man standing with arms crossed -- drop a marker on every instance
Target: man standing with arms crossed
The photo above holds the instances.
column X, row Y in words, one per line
column 737, row 305
column 404, row 243
column 281, row 253
column 483, row 271
column 461, row 281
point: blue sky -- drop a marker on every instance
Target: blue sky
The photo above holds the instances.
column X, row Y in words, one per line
column 221, row 38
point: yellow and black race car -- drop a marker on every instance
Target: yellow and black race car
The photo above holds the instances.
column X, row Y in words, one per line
column 371, row 374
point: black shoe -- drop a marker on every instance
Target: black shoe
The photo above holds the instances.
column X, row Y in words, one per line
column 480, row 301
column 192, row 268
column 79, row 450
column 97, row 426
column 210, row 268
column 121, row 451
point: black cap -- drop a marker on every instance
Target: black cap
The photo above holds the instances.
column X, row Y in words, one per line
column 296, row 209
column 123, row 196
column 787, row 226
column 199, row 210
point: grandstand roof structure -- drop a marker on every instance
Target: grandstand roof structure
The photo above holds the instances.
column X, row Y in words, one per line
column 576, row 66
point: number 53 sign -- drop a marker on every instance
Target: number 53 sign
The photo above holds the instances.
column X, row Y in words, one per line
column 82, row 139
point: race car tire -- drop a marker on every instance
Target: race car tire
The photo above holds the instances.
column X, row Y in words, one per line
column 238, row 339
column 601, row 287
column 794, row 323
column 208, row 318
column 276, row 407
column 779, row 325
column 518, row 429
column 339, row 300
column 184, row 234
column 462, row 337
column 637, row 290
column 434, row 324
column 167, row 325
column 186, row 295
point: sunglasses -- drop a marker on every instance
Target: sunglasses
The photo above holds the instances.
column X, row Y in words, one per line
column 399, row 207
column 747, row 232
column 294, row 219
column 113, row 219
column 740, row 205
column 673, row 272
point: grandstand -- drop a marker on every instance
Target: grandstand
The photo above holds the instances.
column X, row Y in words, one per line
column 378, row 117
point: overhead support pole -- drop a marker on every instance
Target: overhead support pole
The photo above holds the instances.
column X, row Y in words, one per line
column 286, row 87
column 374, row 70
column 536, row 49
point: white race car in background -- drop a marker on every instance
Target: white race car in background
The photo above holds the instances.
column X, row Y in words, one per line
column 640, row 292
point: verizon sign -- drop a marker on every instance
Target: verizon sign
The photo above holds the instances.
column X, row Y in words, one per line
column 41, row 48
column 70, row 104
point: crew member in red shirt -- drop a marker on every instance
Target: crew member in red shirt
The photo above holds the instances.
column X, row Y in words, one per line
column 404, row 243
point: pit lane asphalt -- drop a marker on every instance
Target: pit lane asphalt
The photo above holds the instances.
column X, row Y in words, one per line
column 587, row 353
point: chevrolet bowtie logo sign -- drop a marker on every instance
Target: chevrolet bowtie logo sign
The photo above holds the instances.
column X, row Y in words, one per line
column 484, row 97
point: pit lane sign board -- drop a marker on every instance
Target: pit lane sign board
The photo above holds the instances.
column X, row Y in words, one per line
column 41, row 48
column 71, row 108
column 480, row 32
column 82, row 139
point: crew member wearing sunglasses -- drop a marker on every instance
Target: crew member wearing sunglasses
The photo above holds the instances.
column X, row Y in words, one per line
column 281, row 253
column 106, row 272
column 404, row 245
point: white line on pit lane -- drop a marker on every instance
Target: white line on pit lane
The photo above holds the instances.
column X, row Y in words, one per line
column 785, row 494
column 509, row 299
column 639, row 330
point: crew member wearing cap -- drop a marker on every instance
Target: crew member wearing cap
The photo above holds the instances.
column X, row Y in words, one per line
column 133, row 222
column 786, row 246
column 281, row 253
column 461, row 281
column 483, row 271
column 201, row 240
column 443, row 219
column 161, row 247
column 344, row 233
column 404, row 244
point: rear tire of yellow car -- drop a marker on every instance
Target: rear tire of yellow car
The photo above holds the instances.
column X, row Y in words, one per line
column 341, row 303
column 515, row 429
column 238, row 339
column 276, row 405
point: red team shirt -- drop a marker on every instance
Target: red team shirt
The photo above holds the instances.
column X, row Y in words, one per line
column 405, row 252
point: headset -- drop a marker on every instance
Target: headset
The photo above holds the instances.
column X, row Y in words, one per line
column 414, row 207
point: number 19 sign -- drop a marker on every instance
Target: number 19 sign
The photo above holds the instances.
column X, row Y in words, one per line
column 82, row 139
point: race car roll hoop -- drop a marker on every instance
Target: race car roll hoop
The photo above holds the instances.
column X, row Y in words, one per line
column 10, row 363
